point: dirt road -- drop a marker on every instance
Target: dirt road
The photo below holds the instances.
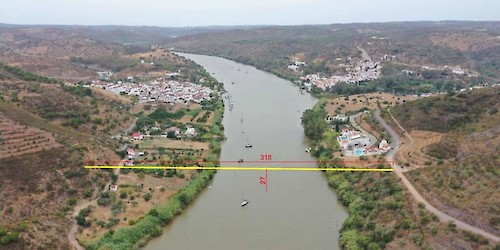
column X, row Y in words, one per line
column 398, row 170
column 74, row 227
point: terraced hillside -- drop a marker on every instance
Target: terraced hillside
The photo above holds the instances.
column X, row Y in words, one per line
column 41, row 156
column 16, row 139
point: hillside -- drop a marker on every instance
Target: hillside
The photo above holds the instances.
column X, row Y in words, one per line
column 382, row 212
column 48, row 49
column 85, row 109
column 436, row 46
column 45, row 136
column 453, row 153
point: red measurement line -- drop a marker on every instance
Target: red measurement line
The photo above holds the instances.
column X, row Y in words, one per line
column 267, row 180
column 273, row 161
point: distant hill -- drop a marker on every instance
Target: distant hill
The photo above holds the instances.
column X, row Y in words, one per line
column 471, row 45
column 124, row 34
column 57, row 50
column 460, row 171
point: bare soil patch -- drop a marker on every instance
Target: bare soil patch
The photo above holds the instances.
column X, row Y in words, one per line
column 354, row 103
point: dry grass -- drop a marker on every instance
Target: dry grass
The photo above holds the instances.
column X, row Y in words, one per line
column 364, row 124
column 174, row 144
column 465, row 42
column 414, row 153
column 110, row 96
column 340, row 105
column 464, row 182
column 137, row 207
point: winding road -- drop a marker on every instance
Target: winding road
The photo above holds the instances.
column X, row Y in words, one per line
column 399, row 172
column 74, row 227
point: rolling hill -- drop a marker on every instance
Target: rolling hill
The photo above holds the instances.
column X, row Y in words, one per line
column 473, row 46
column 45, row 136
column 457, row 171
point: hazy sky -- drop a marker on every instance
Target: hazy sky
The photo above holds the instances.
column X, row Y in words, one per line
column 239, row 12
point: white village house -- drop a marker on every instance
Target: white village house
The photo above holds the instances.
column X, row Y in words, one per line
column 340, row 118
column 351, row 138
column 190, row 132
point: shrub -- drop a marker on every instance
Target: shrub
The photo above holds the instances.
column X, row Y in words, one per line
column 72, row 201
column 88, row 193
column 23, row 226
column 418, row 239
column 452, row 227
column 112, row 222
column 472, row 236
column 147, row 196
column 406, row 224
column 123, row 195
column 150, row 224
column 426, row 219
column 106, row 199
column 171, row 173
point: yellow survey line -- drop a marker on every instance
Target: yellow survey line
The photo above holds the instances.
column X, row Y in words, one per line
column 246, row 168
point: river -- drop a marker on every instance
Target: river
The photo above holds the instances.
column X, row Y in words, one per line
column 298, row 211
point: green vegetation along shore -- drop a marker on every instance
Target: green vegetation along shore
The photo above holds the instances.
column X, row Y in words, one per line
column 382, row 214
column 150, row 225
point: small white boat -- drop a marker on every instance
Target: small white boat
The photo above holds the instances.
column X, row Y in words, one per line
column 248, row 145
column 244, row 203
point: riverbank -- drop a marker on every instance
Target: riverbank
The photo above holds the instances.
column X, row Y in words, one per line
column 382, row 214
column 266, row 114
column 151, row 224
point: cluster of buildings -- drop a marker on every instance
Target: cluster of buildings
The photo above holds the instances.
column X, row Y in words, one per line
column 175, row 131
column 457, row 70
column 337, row 118
column 366, row 70
column 351, row 139
column 160, row 90
column 295, row 66
column 355, row 143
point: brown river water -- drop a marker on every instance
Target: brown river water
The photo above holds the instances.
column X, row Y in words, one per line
column 299, row 209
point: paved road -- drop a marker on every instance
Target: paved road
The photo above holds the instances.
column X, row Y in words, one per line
column 398, row 170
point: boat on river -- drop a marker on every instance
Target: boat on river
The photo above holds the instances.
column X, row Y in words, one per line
column 244, row 203
column 248, row 145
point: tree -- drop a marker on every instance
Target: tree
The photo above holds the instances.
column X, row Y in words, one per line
column 314, row 123
column 171, row 134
